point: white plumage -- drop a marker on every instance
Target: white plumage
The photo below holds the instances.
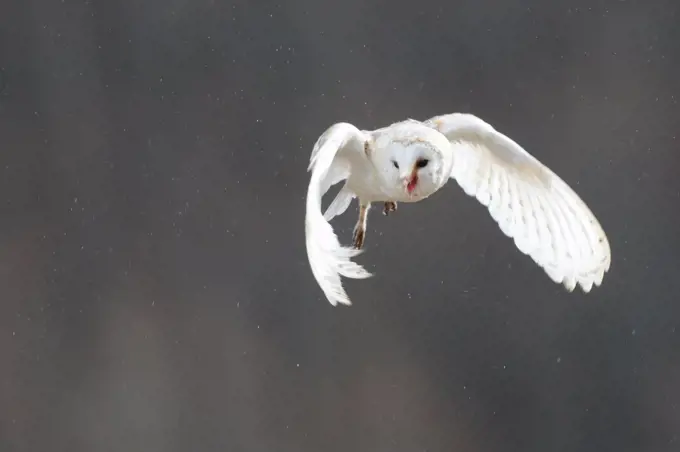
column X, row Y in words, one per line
column 410, row 160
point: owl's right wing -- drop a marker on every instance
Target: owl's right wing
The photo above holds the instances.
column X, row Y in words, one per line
column 336, row 152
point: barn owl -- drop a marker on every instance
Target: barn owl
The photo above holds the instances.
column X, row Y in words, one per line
column 409, row 161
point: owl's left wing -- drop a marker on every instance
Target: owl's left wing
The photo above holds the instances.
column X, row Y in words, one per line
column 531, row 204
column 336, row 152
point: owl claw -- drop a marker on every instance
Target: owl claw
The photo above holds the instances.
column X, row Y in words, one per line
column 390, row 206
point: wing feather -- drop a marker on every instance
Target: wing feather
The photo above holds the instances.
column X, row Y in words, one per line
column 546, row 218
column 334, row 153
column 341, row 202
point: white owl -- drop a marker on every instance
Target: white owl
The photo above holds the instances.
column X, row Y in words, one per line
column 410, row 160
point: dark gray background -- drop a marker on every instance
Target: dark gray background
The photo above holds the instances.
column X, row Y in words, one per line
column 156, row 295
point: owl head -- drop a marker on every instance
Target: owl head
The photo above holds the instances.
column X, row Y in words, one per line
column 411, row 160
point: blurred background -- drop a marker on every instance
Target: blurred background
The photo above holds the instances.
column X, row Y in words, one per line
column 155, row 294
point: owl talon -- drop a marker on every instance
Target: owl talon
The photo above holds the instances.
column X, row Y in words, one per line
column 390, row 206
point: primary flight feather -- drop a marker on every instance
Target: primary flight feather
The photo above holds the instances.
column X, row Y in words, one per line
column 410, row 160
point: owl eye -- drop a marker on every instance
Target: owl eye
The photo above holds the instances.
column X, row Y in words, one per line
column 396, row 165
column 422, row 163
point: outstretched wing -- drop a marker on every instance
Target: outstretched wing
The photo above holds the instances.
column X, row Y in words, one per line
column 340, row 148
column 531, row 204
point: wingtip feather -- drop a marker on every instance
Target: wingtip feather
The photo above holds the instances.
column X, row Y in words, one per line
column 329, row 261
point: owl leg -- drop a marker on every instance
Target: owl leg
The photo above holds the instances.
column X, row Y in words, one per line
column 390, row 206
column 360, row 228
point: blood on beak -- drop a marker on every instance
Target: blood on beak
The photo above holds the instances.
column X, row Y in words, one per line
column 412, row 182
